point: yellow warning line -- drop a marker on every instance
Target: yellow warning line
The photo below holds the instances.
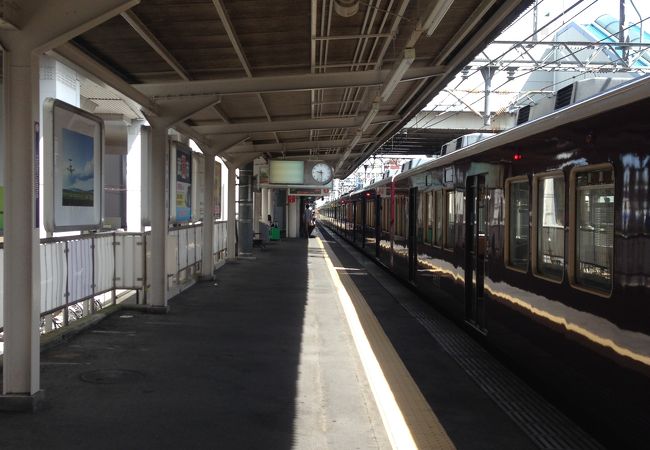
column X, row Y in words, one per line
column 408, row 419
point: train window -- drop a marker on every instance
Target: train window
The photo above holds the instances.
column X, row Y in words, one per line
column 518, row 223
column 428, row 218
column 450, row 219
column 459, row 214
column 401, row 217
column 592, row 222
column 369, row 214
column 398, row 215
column 356, row 214
column 438, row 218
column 387, row 214
column 549, row 218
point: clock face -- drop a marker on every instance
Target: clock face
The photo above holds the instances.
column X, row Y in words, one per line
column 322, row 173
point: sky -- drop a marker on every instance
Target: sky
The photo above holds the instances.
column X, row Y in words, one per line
column 586, row 11
column 78, row 153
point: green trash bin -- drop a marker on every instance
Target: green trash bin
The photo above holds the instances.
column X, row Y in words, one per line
column 274, row 234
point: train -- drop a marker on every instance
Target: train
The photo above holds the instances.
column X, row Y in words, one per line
column 537, row 241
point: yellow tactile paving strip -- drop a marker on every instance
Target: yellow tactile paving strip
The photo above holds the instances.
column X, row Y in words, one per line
column 424, row 430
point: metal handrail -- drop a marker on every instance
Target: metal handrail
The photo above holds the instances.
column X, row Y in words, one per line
column 82, row 267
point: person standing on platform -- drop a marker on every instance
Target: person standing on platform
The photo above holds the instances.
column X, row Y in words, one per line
column 305, row 221
column 312, row 222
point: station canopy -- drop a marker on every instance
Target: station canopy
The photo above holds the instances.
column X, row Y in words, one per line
column 329, row 80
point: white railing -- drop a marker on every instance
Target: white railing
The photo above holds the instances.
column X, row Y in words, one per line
column 80, row 268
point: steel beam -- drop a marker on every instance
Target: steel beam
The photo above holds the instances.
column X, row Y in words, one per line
column 49, row 24
column 282, row 83
column 296, row 146
column 348, row 37
column 423, row 96
column 146, row 34
column 290, row 125
column 73, row 55
column 236, row 44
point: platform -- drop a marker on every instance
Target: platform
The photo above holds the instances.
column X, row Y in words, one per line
column 264, row 357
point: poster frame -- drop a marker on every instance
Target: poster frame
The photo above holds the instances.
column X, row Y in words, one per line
column 174, row 217
column 57, row 117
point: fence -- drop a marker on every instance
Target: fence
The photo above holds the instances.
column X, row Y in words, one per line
column 79, row 268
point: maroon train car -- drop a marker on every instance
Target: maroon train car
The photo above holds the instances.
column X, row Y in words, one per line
column 538, row 241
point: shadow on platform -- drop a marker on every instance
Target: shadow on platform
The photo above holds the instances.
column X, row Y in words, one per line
column 218, row 371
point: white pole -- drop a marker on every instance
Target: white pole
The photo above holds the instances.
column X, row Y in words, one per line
column 207, row 261
column 159, row 215
column 232, row 188
column 21, row 371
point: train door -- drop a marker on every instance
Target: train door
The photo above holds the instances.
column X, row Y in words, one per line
column 378, row 225
column 412, row 233
column 353, row 222
column 364, row 224
column 476, row 246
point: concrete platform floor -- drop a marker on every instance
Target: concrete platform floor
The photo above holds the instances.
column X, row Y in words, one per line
column 263, row 358
column 259, row 359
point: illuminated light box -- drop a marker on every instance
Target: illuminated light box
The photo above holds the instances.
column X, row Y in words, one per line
column 73, row 142
column 287, row 172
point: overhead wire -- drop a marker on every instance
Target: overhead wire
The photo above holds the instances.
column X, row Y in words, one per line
column 526, row 72
column 592, row 70
column 514, row 46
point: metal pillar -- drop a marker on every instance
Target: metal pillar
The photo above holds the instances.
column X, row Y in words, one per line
column 265, row 205
column 43, row 26
column 245, row 217
column 159, row 215
column 294, row 215
column 21, row 372
column 488, row 73
column 231, row 251
column 257, row 212
column 207, row 260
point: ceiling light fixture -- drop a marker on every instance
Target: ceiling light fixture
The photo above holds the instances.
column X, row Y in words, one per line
column 436, row 15
column 398, row 72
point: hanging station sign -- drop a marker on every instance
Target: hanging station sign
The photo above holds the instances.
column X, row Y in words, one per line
column 286, row 172
column 309, row 192
column 282, row 173
column 73, row 147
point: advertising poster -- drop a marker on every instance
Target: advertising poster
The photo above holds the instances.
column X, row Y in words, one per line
column 78, row 176
column 73, row 153
column 183, row 183
column 217, row 191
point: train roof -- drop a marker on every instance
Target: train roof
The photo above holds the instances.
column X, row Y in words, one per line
column 620, row 96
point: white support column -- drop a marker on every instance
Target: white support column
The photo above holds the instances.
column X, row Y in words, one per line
column 207, row 261
column 43, row 26
column 257, row 211
column 21, row 364
column 293, row 219
column 232, row 224
column 159, row 216
column 265, row 205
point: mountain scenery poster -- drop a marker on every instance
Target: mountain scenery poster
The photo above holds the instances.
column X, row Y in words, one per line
column 78, row 169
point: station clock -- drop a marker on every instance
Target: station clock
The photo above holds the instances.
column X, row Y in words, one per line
column 321, row 173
